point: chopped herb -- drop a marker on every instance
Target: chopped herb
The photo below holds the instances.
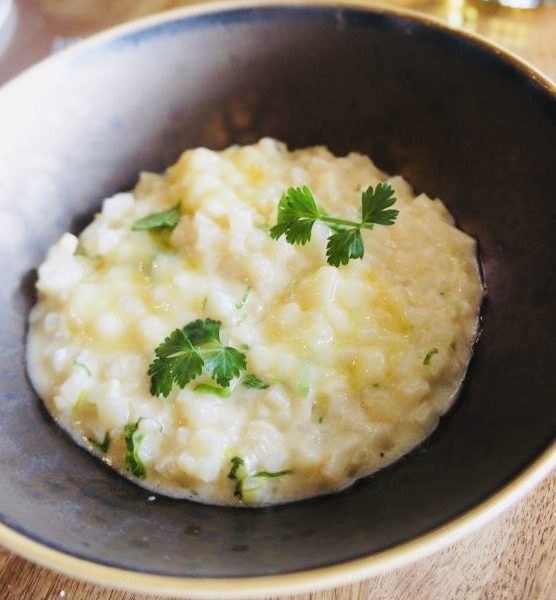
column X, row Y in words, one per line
column 83, row 366
column 245, row 347
column 238, row 489
column 82, row 398
column 243, row 300
column 162, row 220
column 245, row 482
column 430, row 354
column 237, row 462
column 453, row 345
column 215, row 390
column 180, row 358
column 133, row 440
column 249, row 485
column 204, row 304
column 252, row 381
column 303, row 386
column 303, row 390
column 274, row 474
column 103, row 446
column 298, row 212
column 442, row 292
column 321, row 419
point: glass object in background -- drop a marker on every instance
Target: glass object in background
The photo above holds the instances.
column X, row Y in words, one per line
column 7, row 24
column 529, row 33
column 525, row 4
column 5, row 7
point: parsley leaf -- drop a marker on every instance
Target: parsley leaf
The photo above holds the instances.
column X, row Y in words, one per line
column 176, row 361
column 203, row 331
column 225, row 363
column 374, row 205
column 180, row 358
column 103, row 446
column 252, row 381
column 297, row 203
column 133, row 440
column 344, row 245
column 298, row 212
column 166, row 219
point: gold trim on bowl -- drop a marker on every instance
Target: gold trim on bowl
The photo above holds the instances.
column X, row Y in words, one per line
column 325, row 577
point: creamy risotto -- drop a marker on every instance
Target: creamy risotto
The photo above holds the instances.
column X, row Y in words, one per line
column 338, row 370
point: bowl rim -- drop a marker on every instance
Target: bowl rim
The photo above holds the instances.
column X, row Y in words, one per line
column 345, row 572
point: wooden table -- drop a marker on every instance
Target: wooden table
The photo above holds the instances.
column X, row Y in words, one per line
column 512, row 558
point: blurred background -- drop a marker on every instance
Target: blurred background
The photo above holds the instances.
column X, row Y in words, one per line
column 33, row 29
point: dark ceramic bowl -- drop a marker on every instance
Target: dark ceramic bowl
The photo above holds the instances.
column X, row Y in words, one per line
column 458, row 118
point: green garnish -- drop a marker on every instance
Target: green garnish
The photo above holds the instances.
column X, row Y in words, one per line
column 238, row 489
column 303, row 386
column 237, row 462
column 245, row 347
column 215, row 390
column 243, row 300
column 242, row 479
column 103, row 446
column 430, row 354
column 181, row 357
column 133, row 440
column 83, row 366
column 273, row 474
column 162, row 220
column 82, row 400
column 252, row 381
column 298, row 212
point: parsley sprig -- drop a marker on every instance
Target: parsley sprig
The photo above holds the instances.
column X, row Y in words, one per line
column 298, row 212
column 180, row 358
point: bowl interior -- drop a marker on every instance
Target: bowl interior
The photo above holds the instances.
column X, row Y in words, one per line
column 453, row 118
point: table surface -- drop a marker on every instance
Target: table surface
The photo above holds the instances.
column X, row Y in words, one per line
column 513, row 557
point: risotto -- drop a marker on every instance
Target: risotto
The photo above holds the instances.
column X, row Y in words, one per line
column 179, row 342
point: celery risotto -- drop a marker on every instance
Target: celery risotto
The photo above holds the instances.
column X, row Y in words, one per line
column 256, row 325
